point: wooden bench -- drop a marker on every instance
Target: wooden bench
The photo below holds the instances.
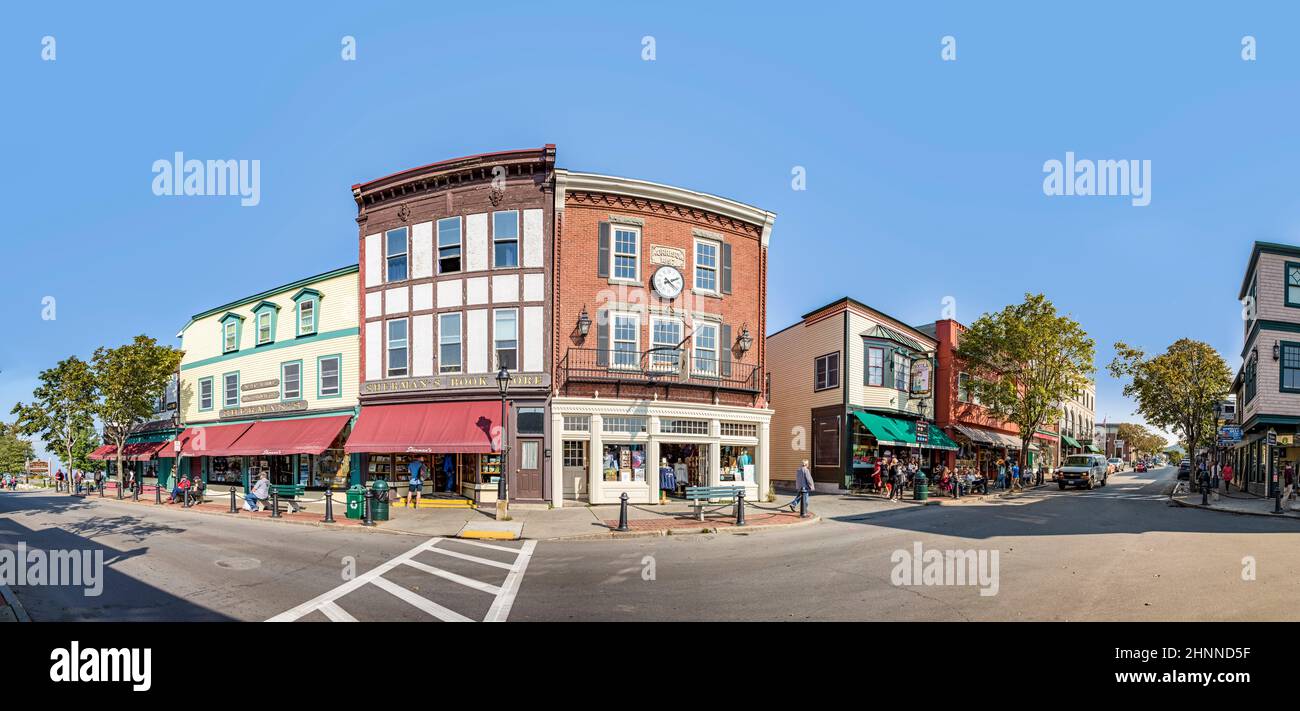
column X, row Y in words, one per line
column 288, row 494
column 698, row 495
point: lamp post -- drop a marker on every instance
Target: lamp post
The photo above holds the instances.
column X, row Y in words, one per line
column 503, row 487
column 920, row 487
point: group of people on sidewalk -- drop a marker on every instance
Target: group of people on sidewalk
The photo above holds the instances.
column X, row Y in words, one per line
column 9, row 481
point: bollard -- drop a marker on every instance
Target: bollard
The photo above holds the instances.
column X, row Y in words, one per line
column 740, row 507
column 622, row 513
column 329, row 506
column 803, row 503
column 232, row 501
column 275, row 502
column 119, row 489
column 365, row 509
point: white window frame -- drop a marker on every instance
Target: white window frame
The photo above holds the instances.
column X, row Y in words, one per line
column 230, row 336
column 459, row 341
column 460, row 244
column 496, row 240
column 225, row 390
column 876, row 351
column 716, row 269
column 906, row 371
column 211, row 397
column 614, row 254
column 338, row 375
column 700, row 329
column 284, row 380
column 388, row 348
column 405, row 254
column 658, row 361
column 496, row 337
column 308, row 307
column 270, row 327
column 614, row 340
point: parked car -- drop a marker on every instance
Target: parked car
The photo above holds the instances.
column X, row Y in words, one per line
column 1084, row 470
column 1141, row 467
column 1117, row 462
column 1185, row 470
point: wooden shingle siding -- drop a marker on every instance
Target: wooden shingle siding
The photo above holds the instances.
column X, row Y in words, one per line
column 790, row 360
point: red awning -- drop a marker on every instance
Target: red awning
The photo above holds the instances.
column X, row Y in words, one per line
column 103, row 453
column 442, row 427
column 311, row 435
column 212, row 441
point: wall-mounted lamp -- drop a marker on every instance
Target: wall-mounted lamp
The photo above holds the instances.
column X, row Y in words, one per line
column 1276, row 350
column 745, row 340
column 1254, row 353
column 584, row 323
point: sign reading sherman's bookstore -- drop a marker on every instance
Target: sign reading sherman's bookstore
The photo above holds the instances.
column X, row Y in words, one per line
column 267, row 409
column 454, row 382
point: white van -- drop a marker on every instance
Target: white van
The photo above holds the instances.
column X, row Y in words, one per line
column 1085, row 470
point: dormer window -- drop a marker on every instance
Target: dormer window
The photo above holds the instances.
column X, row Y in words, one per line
column 231, row 325
column 308, row 308
column 265, row 317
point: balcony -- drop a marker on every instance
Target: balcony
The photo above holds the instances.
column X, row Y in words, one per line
column 661, row 367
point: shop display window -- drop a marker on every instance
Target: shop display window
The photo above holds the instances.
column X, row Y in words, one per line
column 737, row 464
column 624, row 463
column 226, row 470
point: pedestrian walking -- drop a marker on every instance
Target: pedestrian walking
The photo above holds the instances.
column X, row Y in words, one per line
column 803, row 483
column 1227, row 477
column 415, row 485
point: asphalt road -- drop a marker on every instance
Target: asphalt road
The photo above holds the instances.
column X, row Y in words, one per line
column 1116, row 553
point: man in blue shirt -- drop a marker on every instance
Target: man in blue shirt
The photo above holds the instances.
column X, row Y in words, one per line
column 416, row 482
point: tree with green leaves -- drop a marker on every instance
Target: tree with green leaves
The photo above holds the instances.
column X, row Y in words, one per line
column 1140, row 440
column 1178, row 389
column 1024, row 361
column 62, row 409
column 15, row 451
column 130, row 379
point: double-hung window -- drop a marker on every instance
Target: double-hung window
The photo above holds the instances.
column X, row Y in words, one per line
column 1290, row 361
column 626, row 253
column 963, row 387
column 329, row 370
column 264, row 334
column 826, row 371
column 505, row 336
column 395, row 251
column 230, row 390
column 626, row 337
column 449, row 245
column 306, row 317
column 665, row 333
column 875, row 366
column 449, row 343
column 205, row 394
column 291, row 380
column 706, row 349
column 902, row 368
column 706, row 265
column 230, row 336
column 397, row 347
column 505, row 239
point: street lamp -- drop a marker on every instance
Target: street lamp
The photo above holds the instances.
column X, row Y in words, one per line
column 584, row 325
column 503, row 387
column 746, row 340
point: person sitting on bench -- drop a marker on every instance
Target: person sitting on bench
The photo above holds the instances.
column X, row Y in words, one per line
column 261, row 490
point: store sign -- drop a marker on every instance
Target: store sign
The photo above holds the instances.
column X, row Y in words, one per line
column 1229, row 435
column 669, row 256
column 273, row 408
column 1286, row 440
column 454, row 382
column 269, row 395
column 922, row 432
column 37, row 466
column 260, row 384
column 1271, row 438
column 921, row 377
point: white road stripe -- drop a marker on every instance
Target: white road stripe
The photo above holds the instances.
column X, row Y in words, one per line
column 336, row 613
column 423, row 603
column 501, row 606
column 467, row 582
column 351, row 585
column 471, row 558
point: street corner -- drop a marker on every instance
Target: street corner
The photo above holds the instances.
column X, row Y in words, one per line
column 492, row 530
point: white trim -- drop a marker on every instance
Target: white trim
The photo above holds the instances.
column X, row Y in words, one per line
column 495, row 337
column 717, row 267
column 614, row 254
column 438, row 246
column 717, row 349
column 388, row 347
column 636, row 344
column 460, row 341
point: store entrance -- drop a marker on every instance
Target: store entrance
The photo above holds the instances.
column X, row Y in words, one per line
column 277, row 468
column 689, row 462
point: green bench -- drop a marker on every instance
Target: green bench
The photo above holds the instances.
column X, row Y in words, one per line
column 697, row 495
column 289, row 493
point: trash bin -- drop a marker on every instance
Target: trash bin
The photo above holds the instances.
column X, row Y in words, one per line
column 379, row 501
column 356, row 500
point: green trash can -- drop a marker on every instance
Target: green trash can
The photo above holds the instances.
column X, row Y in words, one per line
column 379, row 501
column 356, row 499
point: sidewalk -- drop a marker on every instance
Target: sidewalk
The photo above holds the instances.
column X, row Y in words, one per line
column 11, row 610
column 1236, row 504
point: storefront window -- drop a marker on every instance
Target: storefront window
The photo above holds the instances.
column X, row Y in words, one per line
column 575, row 453
column 277, row 468
column 489, row 468
column 225, row 470
column 531, row 420
column 329, row 468
column 737, row 463
column 624, row 463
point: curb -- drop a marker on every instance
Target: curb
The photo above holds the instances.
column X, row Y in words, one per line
column 8, row 597
column 1206, row 507
column 611, row 535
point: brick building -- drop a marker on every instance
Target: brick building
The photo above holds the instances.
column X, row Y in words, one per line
column 659, row 313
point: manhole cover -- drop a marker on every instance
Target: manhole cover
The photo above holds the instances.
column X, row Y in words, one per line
column 239, row 563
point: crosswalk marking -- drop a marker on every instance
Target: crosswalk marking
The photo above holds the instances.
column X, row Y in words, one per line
column 503, row 596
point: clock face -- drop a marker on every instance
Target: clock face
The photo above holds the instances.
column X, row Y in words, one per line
column 668, row 282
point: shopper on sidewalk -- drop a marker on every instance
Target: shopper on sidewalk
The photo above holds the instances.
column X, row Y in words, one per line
column 803, row 483
column 1227, row 477
column 261, row 490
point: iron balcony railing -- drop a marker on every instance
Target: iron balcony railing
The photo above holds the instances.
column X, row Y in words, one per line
column 659, row 367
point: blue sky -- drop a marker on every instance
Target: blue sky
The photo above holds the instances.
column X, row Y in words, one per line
column 924, row 177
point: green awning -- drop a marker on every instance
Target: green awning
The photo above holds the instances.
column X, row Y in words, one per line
column 1094, row 449
column 939, row 440
column 1071, row 441
column 887, row 430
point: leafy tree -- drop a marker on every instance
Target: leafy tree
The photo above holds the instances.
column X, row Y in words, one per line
column 130, row 379
column 1178, row 389
column 1140, row 440
column 62, row 409
column 14, row 450
column 1024, row 360
column 88, row 442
